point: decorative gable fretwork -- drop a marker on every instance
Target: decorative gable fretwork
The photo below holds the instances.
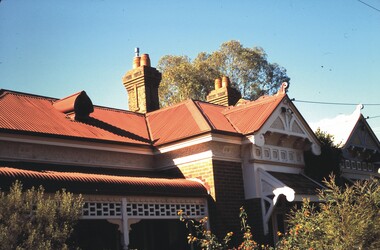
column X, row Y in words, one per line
column 285, row 130
column 356, row 165
column 286, row 122
column 361, row 137
column 278, row 154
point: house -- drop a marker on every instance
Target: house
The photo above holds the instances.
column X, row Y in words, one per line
column 136, row 169
column 360, row 148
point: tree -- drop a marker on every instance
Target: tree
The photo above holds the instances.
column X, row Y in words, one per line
column 321, row 166
column 348, row 218
column 31, row 219
column 247, row 68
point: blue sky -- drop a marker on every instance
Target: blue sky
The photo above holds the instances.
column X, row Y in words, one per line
column 329, row 48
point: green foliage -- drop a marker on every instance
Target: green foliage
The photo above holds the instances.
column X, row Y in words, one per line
column 326, row 139
column 247, row 68
column 348, row 218
column 206, row 240
column 319, row 167
column 31, row 219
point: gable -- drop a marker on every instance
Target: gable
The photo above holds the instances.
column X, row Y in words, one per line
column 286, row 128
column 286, row 122
column 362, row 136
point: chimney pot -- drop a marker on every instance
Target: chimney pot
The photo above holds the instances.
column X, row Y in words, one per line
column 136, row 62
column 142, row 84
column 218, row 83
column 145, row 60
column 225, row 81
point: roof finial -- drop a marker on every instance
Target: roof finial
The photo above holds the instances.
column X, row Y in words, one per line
column 283, row 89
column 137, row 52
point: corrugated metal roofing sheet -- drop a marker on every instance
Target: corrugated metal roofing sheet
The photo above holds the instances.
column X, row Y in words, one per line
column 23, row 112
column 176, row 122
column 124, row 184
column 29, row 113
column 249, row 118
column 215, row 116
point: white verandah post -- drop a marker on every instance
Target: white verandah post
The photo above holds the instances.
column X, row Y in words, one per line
column 125, row 223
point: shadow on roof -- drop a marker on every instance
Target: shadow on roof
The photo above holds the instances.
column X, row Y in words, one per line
column 112, row 129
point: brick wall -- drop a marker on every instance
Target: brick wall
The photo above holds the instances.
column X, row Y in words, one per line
column 229, row 193
column 202, row 170
column 225, row 182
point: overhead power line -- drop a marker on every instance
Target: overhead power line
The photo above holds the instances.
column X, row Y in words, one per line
column 371, row 117
column 337, row 103
column 372, row 7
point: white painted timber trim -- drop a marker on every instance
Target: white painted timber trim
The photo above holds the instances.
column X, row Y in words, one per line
column 191, row 158
column 198, row 140
column 199, row 157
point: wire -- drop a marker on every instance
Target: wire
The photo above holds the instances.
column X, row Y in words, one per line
column 369, row 5
column 337, row 103
column 371, row 117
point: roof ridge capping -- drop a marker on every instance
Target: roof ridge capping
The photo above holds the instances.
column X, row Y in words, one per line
column 261, row 100
column 75, row 106
column 4, row 92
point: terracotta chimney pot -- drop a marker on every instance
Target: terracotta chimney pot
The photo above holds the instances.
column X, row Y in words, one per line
column 218, row 83
column 225, row 81
column 145, row 60
column 136, row 62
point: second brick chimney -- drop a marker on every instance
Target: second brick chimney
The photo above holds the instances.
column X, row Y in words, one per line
column 223, row 94
column 142, row 85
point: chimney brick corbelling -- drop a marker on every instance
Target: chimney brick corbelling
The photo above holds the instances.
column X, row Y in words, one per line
column 225, row 96
column 142, row 84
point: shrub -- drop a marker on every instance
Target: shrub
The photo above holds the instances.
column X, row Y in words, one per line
column 31, row 219
column 205, row 239
column 348, row 218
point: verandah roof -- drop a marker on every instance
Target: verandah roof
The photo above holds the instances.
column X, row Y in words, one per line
column 87, row 183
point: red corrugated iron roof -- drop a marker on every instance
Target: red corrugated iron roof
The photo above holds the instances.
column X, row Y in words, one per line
column 250, row 117
column 176, row 122
column 215, row 116
column 109, row 183
column 36, row 114
column 24, row 112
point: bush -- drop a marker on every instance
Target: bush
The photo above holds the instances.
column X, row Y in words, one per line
column 348, row 218
column 31, row 219
column 205, row 239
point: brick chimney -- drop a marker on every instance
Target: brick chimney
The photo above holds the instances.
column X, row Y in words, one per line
column 223, row 94
column 142, row 84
